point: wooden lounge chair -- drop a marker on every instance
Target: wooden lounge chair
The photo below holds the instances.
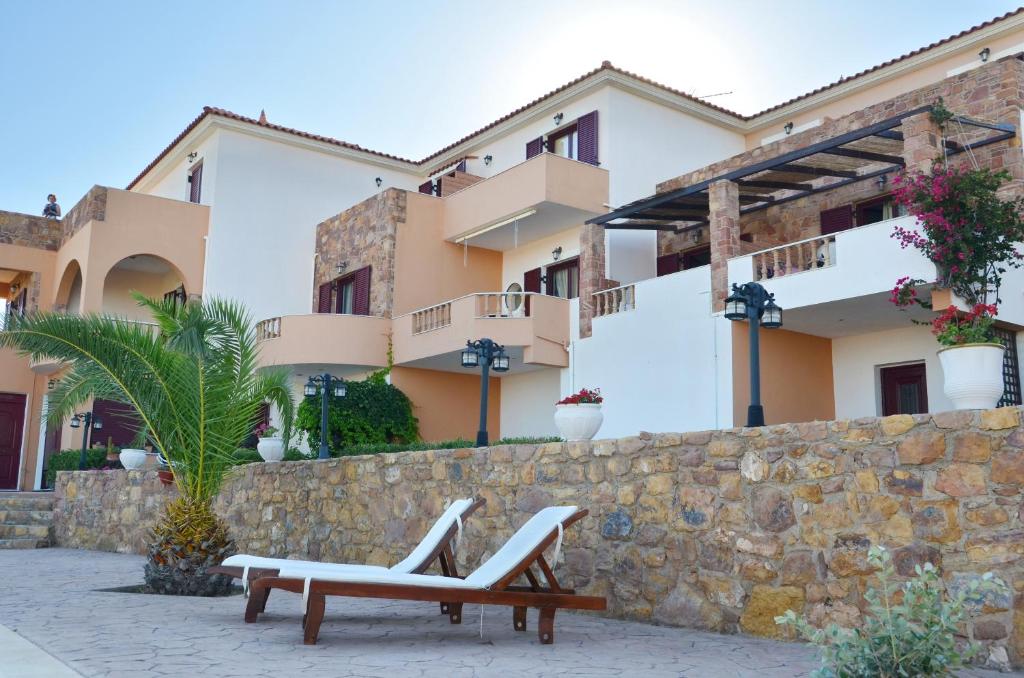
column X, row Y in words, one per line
column 438, row 544
column 490, row 584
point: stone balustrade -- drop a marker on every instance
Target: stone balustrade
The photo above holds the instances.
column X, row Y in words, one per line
column 432, row 318
column 268, row 329
column 797, row 257
column 615, row 300
column 719, row 530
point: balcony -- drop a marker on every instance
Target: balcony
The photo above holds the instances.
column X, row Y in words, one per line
column 360, row 341
column 838, row 284
column 537, row 198
column 533, row 327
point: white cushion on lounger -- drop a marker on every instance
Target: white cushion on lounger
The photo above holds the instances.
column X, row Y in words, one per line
column 429, row 542
column 513, row 552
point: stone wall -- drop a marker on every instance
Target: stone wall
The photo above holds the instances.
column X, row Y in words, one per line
column 92, row 207
column 363, row 235
column 26, row 230
column 719, row 530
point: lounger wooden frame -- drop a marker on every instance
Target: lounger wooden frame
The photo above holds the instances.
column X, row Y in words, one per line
column 547, row 599
column 444, row 553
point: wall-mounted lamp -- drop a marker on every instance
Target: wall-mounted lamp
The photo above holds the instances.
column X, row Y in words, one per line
column 984, row 54
column 379, row 182
column 697, row 235
column 192, row 156
column 556, row 253
column 488, row 159
column 340, row 268
column 52, row 383
column 558, row 118
column 881, row 181
column 788, row 127
column 15, row 287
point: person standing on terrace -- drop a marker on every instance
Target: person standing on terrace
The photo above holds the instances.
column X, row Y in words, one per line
column 52, row 209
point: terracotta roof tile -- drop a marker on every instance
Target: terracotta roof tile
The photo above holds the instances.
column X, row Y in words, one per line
column 605, row 66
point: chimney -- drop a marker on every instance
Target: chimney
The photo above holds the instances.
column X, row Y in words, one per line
column 263, row 117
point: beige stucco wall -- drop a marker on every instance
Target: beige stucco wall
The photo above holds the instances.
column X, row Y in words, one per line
column 447, row 404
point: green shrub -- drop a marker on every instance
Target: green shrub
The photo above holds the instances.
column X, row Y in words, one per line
column 293, row 454
column 67, row 460
column 528, row 440
column 913, row 637
column 243, row 455
column 372, row 412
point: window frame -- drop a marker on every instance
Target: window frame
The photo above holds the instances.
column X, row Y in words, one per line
column 549, row 275
column 197, row 191
column 570, row 129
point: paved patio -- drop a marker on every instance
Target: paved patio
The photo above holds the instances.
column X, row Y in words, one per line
column 49, row 598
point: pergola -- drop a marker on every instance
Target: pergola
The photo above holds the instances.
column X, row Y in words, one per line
column 846, row 158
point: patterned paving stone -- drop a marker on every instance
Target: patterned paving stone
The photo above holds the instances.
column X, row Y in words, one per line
column 49, row 597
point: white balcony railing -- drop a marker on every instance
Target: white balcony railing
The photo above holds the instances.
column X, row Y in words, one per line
column 795, row 257
column 485, row 305
column 615, row 300
column 268, row 329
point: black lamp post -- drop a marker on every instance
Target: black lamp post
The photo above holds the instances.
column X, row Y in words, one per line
column 485, row 354
column 325, row 384
column 92, row 423
column 754, row 303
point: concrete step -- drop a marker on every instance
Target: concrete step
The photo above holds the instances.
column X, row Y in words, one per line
column 24, row 531
column 19, row 517
column 24, row 543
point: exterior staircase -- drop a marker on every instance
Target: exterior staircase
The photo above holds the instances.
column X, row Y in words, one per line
column 25, row 519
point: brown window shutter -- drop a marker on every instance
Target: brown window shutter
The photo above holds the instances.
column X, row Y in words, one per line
column 586, row 138
column 195, row 180
column 323, row 304
column 361, row 292
column 668, row 264
column 534, row 147
column 427, row 187
column 836, row 219
column 531, row 283
column 461, row 167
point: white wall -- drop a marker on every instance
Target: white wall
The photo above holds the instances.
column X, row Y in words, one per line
column 536, row 254
column 665, row 366
column 270, row 198
column 528, row 403
column 868, row 261
column 855, row 363
column 174, row 184
column 651, row 143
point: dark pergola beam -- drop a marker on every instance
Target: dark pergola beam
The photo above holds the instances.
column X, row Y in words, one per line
column 815, row 171
column 776, row 185
column 827, row 187
column 630, row 226
column 898, row 136
column 866, row 155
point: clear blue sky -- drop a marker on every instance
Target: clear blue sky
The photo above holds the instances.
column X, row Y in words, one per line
column 92, row 91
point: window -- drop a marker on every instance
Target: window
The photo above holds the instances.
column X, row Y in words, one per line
column 195, row 183
column 878, row 209
column 349, row 294
column 904, row 389
column 564, row 142
column 563, row 279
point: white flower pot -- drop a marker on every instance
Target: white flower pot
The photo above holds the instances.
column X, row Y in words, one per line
column 578, row 422
column 271, row 449
column 138, row 460
column 972, row 375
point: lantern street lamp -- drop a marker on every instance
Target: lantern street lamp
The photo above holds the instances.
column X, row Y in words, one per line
column 324, row 384
column 92, row 423
column 488, row 355
column 754, row 303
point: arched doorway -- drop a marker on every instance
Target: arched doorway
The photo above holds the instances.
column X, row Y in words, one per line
column 148, row 274
column 69, row 291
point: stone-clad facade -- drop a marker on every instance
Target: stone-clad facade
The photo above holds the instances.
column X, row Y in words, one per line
column 26, row 230
column 363, row 235
column 719, row 530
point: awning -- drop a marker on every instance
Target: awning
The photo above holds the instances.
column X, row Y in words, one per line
column 844, row 159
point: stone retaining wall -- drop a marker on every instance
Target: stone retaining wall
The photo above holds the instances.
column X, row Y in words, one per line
column 719, row 530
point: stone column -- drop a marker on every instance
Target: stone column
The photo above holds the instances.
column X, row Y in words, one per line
column 724, row 203
column 922, row 141
column 592, row 272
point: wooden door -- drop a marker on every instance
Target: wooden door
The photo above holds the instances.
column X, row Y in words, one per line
column 904, row 390
column 12, row 423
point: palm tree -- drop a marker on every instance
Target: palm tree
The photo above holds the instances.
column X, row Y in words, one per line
column 193, row 381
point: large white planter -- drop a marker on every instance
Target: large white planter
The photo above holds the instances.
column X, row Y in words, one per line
column 578, row 422
column 138, row 460
column 972, row 375
column 271, row 449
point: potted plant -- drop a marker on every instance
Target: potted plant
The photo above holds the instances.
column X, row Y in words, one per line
column 578, row 416
column 971, row 236
column 270, row 445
